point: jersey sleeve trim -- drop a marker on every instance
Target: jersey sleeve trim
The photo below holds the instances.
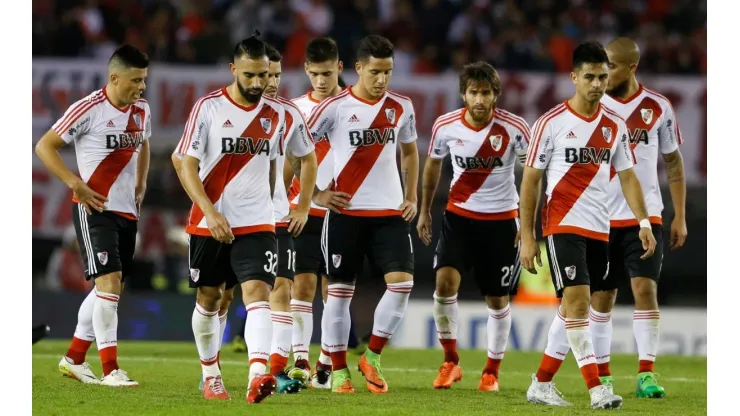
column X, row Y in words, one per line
column 539, row 130
column 441, row 122
column 515, row 121
column 679, row 139
column 319, row 110
column 76, row 111
column 193, row 121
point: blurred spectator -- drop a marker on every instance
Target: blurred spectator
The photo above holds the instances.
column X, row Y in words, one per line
column 176, row 260
column 65, row 270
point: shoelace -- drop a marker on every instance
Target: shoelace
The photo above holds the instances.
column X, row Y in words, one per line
column 650, row 378
column 85, row 366
column 445, row 370
column 121, row 375
column 555, row 391
column 217, row 386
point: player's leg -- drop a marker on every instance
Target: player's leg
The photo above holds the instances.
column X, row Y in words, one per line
column 646, row 319
column 209, row 270
column 282, row 319
column 307, row 268
column 449, row 260
column 392, row 251
column 254, row 260
column 226, row 298
column 73, row 364
column 343, row 246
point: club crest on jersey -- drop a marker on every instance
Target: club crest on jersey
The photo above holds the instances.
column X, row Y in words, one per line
column 647, row 115
column 570, row 272
column 496, row 142
column 137, row 121
column 266, row 124
column 194, row 274
column 607, row 132
column 103, row 257
column 390, row 114
column 336, row 260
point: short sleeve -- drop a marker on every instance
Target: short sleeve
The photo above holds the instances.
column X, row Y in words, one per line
column 195, row 137
column 407, row 132
column 669, row 134
column 76, row 121
column 148, row 124
column 623, row 158
column 322, row 119
column 299, row 139
column 438, row 146
column 521, row 137
column 540, row 150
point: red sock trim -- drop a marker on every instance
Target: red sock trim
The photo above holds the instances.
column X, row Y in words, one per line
column 338, row 360
column 78, row 350
column 277, row 364
column 376, row 344
column 549, row 366
column 109, row 358
column 492, row 367
column 646, row 366
column 590, row 373
column 604, row 369
column 450, row 347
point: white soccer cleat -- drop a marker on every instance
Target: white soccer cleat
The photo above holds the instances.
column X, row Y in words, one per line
column 545, row 393
column 79, row 372
column 603, row 398
column 318, row 377
column 118, row 378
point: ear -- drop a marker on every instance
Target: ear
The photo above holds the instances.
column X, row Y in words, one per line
column 633, row 68
column 574, row 78
column 113, row 78
column 340, row 67
column 232, row 68
column 305, row 67
column 358, row 67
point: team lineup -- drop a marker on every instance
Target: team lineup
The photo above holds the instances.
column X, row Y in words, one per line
column 287, row 194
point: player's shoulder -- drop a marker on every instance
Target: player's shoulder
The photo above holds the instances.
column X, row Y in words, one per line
column 209, row 100
column 448, row 118
column 404, row 100
column 552, row 116
column 510, row 119
column 612, row 114
column 88, row 102
column 662, row 100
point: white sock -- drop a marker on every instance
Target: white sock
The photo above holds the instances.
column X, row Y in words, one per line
column 324, row 357
column 282, row 330
column 499, row 325
column 445, row 312
column 646, row 326
column 391, row 308
column 258, row 334
column 557, row 338
column 579, row 338
column 205, row 330
column 84, row 329
column 335, row 318
column 302, row 328
column 601, row 332
column 222, row 324
column 105, row 320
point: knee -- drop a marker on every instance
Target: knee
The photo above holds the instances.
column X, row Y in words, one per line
column 448, row 281
column 497, row 302
column 644, row 289
column 603, row 301
column 209, row 298
column 227, row 298
column 304, row 288
column 109, row 283
column 282, row 288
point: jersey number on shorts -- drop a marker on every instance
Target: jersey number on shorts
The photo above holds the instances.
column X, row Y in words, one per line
column 272, row 262
column 291, row 260
column 506, row 278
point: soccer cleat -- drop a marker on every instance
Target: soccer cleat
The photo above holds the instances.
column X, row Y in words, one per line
column 79, row 372
column 342, row 381
column 449, row 373
column 601, row 398
column 321, row 378
column 238, row 344
column 608, row 382
column 369, row 366
column 215, row 390
column 260, row 388
column 488, row 382
column 288, row 385
column 118, row 378
column 545, row 393
column 301, row 372
column 647, row 386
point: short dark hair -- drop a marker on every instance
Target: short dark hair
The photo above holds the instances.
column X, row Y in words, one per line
column 129, row 56
column 480, row 72
column 272, row 54
column 374, row 46
column 589, row 53
column 251, row 47
column 322, row 50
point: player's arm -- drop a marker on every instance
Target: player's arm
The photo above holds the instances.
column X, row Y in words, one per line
column 273, row 177
column 142, row 172
column 669, row 137
column 438, row 151
column 300, row 148
column 409, row 179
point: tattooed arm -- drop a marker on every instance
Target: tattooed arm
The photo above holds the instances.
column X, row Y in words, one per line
column 677, row 185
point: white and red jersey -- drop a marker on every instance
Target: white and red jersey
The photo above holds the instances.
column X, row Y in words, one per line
column 324, row 159
column 296, row 140
column 235, row 145
column 483, row 160
column 578, row 154
column 653, row 129
column 364, row 136
column 107, row 141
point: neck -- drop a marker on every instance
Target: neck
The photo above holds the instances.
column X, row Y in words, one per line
column 475, row 123
column 237, row 96
column 321, row 97
column 632, row 87
column 583, row 107
column 361, row 92
column 113, row 97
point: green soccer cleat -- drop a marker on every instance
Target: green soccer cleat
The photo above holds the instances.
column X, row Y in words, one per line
column 301, row 375
column 286, row 384
column 647, row 386
column 341, row 381
column 608, row 381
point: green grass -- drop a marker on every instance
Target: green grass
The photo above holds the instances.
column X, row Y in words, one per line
column 169, row 375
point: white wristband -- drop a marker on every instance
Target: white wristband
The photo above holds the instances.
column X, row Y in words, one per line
column 645, row 223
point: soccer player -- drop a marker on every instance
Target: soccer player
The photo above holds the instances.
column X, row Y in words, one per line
column 653, row 129
column 480, row 230
column 228, row 169
column 323, row 68
column 364, row 125
column 110, row 129
column 578, row 144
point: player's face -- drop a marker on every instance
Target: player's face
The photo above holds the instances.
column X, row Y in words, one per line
column 130, row 84
column 480, row 99
column 324, row 76
column 375, row 74
column 591, row 81
column 273, row 79
column 250, row 76
column 619, row 74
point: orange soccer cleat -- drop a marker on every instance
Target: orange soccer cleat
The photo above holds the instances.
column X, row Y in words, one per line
column 261, row 387
column 488, row 382
column 213, row 389
column 449, row 373
column 373, row 374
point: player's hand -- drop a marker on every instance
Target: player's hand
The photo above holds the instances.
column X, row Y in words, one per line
column 517, row 238
column 678, row 233
column 139, row 192
column 530, row 251
column 408, row 210
column 219, row 227
column 297, row 220
column 424, row 228
column 331, row 199
column 91, row 200
column 648, row 242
